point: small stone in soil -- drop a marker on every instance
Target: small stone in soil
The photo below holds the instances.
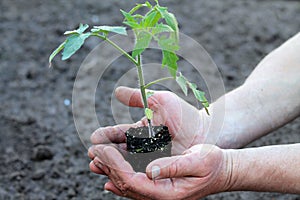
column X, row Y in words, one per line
column 38, row 175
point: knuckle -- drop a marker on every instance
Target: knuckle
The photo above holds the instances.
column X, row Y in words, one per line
column 107, row 149
column 95, row 135
column 119, row 134
column 98, row 136
column 173, row 169
column 123, row 187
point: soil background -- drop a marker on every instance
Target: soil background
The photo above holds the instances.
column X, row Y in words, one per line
column 41, row 155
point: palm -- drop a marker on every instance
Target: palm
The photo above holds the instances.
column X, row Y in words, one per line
column 197, row 173
column 183, row 120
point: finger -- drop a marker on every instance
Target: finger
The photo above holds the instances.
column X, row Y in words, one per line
column 121, row 148
column 113, row 159
column 107, row 156
column 120, row 171
column 174, row 167
column 112, row 188
column 95, row 169
column 129, row 96
column 110, row 134
column 139, row 186
column 129, row 183
column 101, row 165
column 91, row 154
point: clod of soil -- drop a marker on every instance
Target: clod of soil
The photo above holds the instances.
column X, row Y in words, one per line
column 144, row 149
column 42, row 153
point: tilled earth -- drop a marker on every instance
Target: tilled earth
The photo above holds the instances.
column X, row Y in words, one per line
column 42, row 156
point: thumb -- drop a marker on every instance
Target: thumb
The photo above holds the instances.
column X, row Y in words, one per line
column 172, row 167
column 129, row 96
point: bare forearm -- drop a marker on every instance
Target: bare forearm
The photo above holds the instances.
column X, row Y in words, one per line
column 271, row 169
column 267, row 100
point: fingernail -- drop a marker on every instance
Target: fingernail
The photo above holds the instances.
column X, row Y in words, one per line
column 155, row 171
column 98, row 164
column 96, row 153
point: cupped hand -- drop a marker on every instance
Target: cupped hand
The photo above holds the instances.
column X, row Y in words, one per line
column 199, row 171
column 184, row 121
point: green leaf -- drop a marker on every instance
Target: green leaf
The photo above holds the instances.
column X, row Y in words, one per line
column 143, row 39
column 106, row 29
column 200, row 96
column 80, row 30
column 73, row 43
column 148, row 4
column 193, row 86
column 138, row 6
column 128, row 16
column 205, row 104
column 151, row 18
column 170, row 60
column 182, row 82
column 149, row 94
column 149, row 113
column 161, row 28
column 138, row 16
column 170, row 19
column 132, row 25
column 130, row 20
column 56, row 51
column 168, row 44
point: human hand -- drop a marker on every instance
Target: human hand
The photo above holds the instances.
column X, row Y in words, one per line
column 198, row 172
column 184, row 121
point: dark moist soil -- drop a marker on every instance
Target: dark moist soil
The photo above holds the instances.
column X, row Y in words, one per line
column 144, row 149
column 41, row 154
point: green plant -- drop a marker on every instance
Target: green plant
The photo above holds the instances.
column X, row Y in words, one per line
column 158, row 25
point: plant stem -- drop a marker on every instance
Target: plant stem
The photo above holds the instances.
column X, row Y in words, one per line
column 143, row 91
column 138, row 65
column 158, row 80
column 118, row 48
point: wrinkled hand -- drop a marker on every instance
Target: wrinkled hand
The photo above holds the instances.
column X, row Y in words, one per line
column 198, row 172
column 184, row 121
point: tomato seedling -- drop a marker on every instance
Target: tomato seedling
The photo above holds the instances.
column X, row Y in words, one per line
column 158, row 25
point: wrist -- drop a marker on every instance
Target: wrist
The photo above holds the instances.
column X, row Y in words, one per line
column 239, row 173
column 217, row 129
column 228, row 126
column 203, row 134
column 228, row 173
column 265, row 169
column 252, row 169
